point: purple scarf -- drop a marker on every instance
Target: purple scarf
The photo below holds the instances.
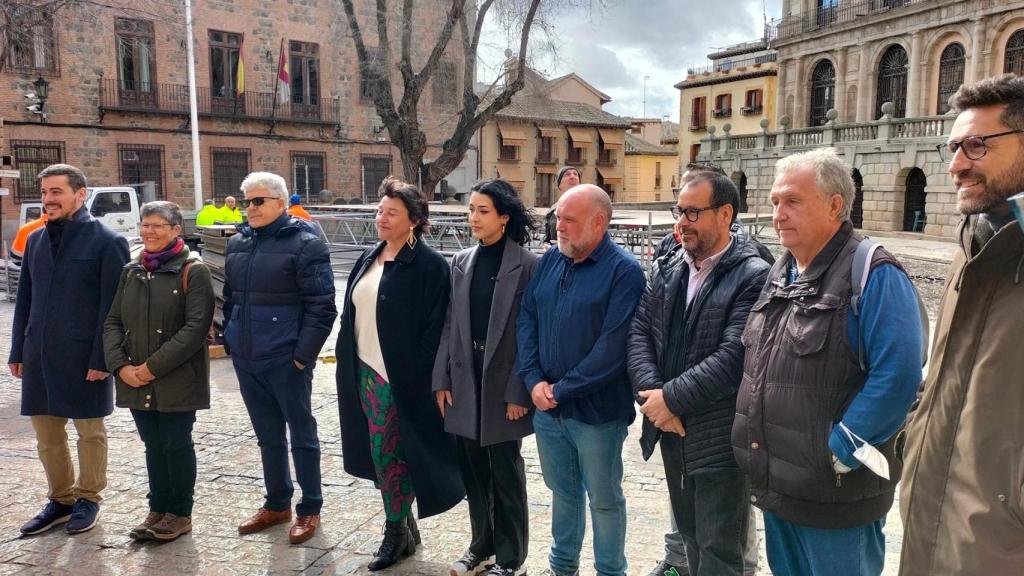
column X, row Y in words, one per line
column 152, row 261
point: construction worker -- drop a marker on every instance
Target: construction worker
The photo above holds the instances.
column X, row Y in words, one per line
column 295, row 208
column 229, row 212
column 21, row 238
column 209, row 215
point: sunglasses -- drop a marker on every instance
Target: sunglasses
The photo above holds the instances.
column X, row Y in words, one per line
column 258, row 200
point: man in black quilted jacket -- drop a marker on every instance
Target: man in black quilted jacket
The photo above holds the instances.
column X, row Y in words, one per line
column 686, row 362
column 278, row 311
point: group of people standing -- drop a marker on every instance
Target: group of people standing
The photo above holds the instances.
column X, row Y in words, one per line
column 790, row 385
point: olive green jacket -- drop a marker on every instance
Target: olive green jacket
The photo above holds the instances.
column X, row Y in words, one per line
column 154, row 320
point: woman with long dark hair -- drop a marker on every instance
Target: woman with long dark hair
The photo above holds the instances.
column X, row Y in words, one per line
column 482, row 399
column 394, row 312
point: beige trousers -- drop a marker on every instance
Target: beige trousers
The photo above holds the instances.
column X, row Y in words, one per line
column 54, row 453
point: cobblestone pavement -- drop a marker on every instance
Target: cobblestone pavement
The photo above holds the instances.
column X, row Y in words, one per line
column 230, row 488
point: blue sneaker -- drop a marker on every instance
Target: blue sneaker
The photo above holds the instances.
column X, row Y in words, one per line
column 53, row 513
column 84, row 516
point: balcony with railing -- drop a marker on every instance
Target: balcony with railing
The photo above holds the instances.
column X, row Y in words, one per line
column 824, row 17
column 733, row 65
column 164, row 98
column 930, row 130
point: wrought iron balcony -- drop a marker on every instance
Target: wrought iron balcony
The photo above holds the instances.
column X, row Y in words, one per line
column 839, row 13
column 163, row 98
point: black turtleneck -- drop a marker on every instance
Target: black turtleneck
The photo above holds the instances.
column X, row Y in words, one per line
column 481, row 288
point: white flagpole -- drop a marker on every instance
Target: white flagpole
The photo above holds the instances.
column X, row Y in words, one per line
column 197, row 172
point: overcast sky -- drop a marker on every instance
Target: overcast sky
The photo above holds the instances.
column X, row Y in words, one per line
column 615, row 47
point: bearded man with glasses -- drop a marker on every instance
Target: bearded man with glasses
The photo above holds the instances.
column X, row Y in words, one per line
column 278, row 311
column 960, row 498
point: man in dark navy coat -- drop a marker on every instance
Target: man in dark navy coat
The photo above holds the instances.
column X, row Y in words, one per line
column 278, row 311
column 68, row 280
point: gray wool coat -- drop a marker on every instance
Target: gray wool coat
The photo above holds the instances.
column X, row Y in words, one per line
column 453, row 368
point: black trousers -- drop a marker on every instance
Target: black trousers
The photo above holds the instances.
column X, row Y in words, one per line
column 711, row 509
column 170, row 459
column 495, row 478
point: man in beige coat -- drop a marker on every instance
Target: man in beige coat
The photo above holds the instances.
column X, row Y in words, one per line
column 961, row 500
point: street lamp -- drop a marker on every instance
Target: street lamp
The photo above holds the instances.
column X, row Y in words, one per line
column 645, row 96
column 42, row 93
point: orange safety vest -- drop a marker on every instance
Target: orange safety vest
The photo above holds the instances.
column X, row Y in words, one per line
column 299, row 212
column 21, row 238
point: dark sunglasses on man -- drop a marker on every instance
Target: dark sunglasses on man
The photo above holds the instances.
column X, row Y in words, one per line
column 259, row 200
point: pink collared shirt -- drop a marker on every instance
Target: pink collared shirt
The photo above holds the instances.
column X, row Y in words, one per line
column 699, row 275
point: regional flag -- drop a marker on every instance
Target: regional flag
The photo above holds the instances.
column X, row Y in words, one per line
column 284, row 77
column 240, row 71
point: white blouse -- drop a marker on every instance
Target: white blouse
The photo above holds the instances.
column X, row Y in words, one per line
column 364, row 301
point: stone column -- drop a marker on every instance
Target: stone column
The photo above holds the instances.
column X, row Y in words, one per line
column 914, row 77
column 840, row 100
column 781, row 90
column 798, row 86
column 976, row 71
column 864, row 93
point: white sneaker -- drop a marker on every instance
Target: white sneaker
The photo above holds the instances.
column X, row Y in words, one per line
column 470, row 565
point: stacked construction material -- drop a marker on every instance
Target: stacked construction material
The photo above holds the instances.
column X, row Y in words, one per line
column 215, row 250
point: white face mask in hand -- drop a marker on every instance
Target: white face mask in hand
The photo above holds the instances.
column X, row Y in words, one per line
column 868, row 454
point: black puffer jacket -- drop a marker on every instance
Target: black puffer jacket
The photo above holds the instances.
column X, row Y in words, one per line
column 704, row 395
column 278, row 293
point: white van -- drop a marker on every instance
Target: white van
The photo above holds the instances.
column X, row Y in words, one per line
column 116, row 206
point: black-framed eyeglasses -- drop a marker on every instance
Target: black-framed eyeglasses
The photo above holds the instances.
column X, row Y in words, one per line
column 259, row 200
column 692, row 214
column 974, row 147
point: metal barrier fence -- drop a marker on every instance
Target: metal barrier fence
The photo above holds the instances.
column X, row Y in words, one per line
column 351, row 233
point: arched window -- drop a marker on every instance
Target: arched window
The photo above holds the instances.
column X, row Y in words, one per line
column 951, row 74
column 823, row 92
column 892, row 81
column 1015, row 54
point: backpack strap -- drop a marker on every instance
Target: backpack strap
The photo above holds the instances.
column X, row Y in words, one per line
column 859, row 279
column 184, row 276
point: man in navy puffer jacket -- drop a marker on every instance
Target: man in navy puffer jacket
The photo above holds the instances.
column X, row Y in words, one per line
column 278, row 311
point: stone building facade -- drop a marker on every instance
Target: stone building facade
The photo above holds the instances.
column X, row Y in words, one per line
column 551, row 123
column 118, row 97
column 840, row 63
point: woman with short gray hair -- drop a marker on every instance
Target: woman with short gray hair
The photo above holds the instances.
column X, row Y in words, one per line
column 154, row 341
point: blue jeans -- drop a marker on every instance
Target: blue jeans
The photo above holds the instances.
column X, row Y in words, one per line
column 581, row 461
column 796, row 550
column 278, row 399
column 170, row 459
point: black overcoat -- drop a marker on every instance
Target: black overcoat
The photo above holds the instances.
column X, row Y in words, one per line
column 412, row 300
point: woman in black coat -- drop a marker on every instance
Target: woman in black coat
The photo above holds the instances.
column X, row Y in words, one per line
column 394, row 311
column 479, row 393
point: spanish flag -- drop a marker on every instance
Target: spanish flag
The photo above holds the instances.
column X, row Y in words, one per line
column 240, row 72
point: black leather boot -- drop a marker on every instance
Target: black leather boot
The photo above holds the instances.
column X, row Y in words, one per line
column 414, row 530
column 398, row 543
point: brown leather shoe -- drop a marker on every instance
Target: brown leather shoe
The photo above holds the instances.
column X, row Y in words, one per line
column 264, row 519
column 303, row 529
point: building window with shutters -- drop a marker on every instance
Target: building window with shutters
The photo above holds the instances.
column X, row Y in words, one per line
column 575, row 155
column 31, row 157
column 308, row 177
column 698, row 114
column 136, row 62
column 723, row 106
column 545, row 189
column 30, row 40
column 951, row 74
column 753, row 103
column 142, row 167
column 304, row 67
column 657, row 175
column 546, row 150
column 506, row 152
column 229, row 166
